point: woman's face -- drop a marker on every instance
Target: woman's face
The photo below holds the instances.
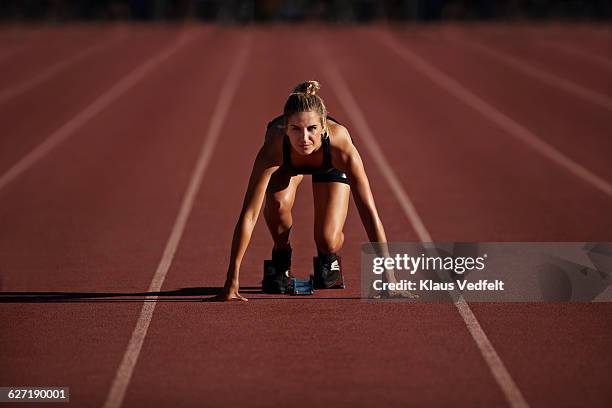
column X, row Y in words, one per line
column 304, row 130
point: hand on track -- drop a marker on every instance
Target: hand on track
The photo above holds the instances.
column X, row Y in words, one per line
column 227, row 295
column 396, row 294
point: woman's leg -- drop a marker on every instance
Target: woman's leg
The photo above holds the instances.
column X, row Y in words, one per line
column 280, row 197
column 331, row 202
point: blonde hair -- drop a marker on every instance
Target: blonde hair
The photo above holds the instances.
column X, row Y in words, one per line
column 304, row 98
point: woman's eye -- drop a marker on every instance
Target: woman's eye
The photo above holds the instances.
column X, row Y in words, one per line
column 312, row 128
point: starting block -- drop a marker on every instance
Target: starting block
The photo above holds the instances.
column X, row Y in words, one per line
column 339, row 284
column 284, row 283
column 301, row 287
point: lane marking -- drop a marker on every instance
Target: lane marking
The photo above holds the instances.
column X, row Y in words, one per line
column 500, row 373
column 124, row 373
column 52, row 70
column 548, row 78
column 511, row 126
column 90, row 111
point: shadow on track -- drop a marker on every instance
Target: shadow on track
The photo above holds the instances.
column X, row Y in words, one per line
column 178, row 295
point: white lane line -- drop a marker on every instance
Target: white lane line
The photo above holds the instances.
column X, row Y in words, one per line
column 228, row 90
column 488, row 111
column 509, row 388
column 366, row 136
column 568, row 49
column 103, row 101
column 52, row 70
column 548, row 78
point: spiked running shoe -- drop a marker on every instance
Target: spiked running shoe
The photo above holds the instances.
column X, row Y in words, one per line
column 327, row 271
column 277, row 272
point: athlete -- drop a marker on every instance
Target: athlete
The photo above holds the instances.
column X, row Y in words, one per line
column 304, row 140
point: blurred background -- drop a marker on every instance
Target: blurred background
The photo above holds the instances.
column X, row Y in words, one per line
column 343, row 11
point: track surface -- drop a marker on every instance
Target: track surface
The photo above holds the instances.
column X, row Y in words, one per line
column 83, row 229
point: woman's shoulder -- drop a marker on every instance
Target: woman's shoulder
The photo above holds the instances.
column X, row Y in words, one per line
column 275, row 123
column 273, row 141
column 339, row 136
column 341, row 146
column 275, row 130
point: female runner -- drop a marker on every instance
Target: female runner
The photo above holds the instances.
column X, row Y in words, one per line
column 304, row 140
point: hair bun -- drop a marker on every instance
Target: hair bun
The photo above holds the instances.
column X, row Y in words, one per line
column 308, row 88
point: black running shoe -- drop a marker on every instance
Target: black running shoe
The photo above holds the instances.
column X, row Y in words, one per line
column 326, row 271
column 277, row 272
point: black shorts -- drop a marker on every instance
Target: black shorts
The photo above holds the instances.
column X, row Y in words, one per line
column 332, row 176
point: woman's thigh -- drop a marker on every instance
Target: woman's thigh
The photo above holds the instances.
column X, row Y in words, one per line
column 331, row 201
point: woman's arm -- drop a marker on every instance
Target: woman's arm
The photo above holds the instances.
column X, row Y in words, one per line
column 346, row 158
column 263, row 168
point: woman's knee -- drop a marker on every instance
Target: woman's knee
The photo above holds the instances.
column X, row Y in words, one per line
column 329, row 241
column 279, row 205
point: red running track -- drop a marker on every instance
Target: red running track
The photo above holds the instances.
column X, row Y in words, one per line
column 85, row 227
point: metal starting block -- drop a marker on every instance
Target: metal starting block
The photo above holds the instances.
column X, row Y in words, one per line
column 301, row 287
column 283, row 282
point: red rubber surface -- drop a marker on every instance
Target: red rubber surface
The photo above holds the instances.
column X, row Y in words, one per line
column 86, row 226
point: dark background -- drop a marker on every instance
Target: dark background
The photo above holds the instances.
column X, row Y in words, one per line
column 304, row 10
